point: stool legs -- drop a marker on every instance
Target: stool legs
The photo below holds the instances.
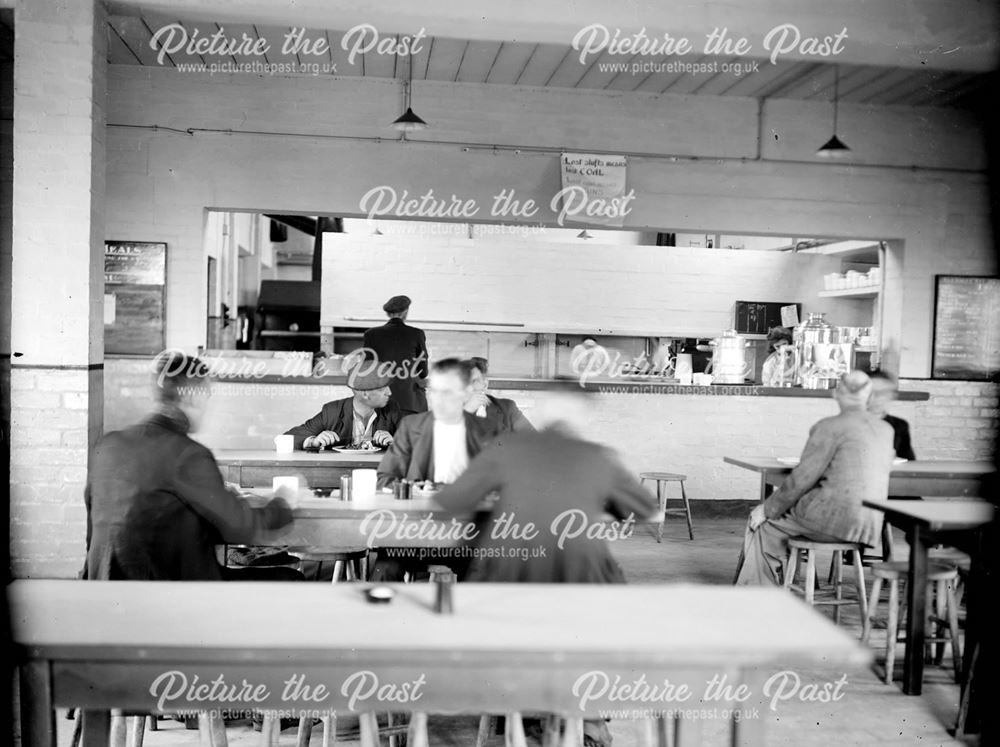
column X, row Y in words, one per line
column 859, row 582
column 866, row 625
column 791, row 569
column 687, row 511
column 837, row 571
column 810, row 578
column 487, row 724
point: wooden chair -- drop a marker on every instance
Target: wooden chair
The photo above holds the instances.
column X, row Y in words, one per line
column 661, row 479
column 811, row 548
column 941, row 582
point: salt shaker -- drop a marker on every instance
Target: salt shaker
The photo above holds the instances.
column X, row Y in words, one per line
column 444, row 580
column 345, row 487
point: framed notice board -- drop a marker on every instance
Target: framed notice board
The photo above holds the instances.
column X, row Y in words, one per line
column 757, row 317
column 135, row 285
column 966, row 327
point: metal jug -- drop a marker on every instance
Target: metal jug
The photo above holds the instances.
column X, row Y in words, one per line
column 728, row 364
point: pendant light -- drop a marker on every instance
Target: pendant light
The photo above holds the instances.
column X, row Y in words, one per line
column 408, row 121
column 834, row 147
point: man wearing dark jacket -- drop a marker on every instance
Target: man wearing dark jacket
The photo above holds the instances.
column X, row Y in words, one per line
column 368, row 415
column 405, row 347
column 156, row 502
column 437, row 445
column 500, row 415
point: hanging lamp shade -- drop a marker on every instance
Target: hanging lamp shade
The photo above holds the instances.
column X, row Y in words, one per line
column 833, row 148
column 408, row 121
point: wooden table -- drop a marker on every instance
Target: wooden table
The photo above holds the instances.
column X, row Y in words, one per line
column 508, row 647
column 257, row 468
column 925, row 523
column 920, row 477
column 380, row 521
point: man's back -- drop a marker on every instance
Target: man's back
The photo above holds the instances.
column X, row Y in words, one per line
column 157, row 507
column 405, row 346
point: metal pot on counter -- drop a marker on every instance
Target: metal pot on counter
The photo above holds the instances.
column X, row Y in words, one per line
column 822, row 357
column 729, row 361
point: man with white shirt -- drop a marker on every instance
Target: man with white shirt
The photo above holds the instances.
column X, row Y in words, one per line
column 437, row 445
column 501, row 415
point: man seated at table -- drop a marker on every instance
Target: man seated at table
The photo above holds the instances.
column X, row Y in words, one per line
column 367, row 415
column 846, row 461
column 501, row 415
column 436, row 445
column 156, row 503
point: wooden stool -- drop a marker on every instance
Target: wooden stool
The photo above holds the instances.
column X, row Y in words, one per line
column 349, row 564
column 797, row 545
column 941, row 582
column 661, row 498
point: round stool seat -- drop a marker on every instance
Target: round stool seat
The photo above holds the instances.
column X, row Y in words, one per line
column 898, row 569
column 802, row 543
column 669, row 476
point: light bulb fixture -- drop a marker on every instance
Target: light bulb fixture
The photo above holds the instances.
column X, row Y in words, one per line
column 408, row 121
column 834, row 147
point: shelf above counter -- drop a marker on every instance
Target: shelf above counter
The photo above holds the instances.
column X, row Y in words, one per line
column 863, row 292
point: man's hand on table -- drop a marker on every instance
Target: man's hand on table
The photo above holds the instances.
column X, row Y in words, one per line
column 382, row 438
column 324, row 439
column 757, row 517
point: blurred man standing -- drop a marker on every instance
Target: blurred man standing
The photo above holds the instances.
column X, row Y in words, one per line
column 406, row 348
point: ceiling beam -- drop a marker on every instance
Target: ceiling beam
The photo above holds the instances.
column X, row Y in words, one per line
column 926, row 34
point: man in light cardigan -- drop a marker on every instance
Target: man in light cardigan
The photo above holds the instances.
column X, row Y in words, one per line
column 846, row 461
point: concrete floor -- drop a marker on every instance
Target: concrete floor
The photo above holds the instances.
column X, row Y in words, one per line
column 870, row 713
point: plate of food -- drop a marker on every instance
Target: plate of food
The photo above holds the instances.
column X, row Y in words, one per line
column 426, row 486
column 900, row 460
column 364, row 448
column 789, row 460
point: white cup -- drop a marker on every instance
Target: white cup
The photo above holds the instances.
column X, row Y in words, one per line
column 363, row 483
column 284, row 444
column 702, row 379
column 285, row 481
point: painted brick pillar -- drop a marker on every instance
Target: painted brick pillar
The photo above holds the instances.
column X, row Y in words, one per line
column 57, row 281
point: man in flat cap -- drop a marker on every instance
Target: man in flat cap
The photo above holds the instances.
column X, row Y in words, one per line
column 406, row 348
column 368, row 415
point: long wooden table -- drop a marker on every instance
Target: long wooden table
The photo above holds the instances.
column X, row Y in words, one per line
column 379, row 521
column 919, row 477
column 926, row 523
column 308, row 648
column 250, row 468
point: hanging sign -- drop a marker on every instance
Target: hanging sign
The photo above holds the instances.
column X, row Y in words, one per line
column 593, row 190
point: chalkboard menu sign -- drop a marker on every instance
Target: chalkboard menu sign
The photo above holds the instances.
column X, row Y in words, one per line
column 757, row 317
column 966, row 327
column 135, row 277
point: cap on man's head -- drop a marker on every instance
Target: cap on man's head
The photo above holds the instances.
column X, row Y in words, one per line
column 396, row 305
column 364, row 377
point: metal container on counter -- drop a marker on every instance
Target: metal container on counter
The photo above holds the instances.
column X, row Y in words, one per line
column 345, row 487
column 822, row 357
column 729, row 358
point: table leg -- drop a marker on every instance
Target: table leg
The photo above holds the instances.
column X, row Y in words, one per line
column 916, row 594
column 96, row 728
column 38, row 718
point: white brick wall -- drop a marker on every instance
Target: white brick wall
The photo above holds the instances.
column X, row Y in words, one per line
column 679, row 290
